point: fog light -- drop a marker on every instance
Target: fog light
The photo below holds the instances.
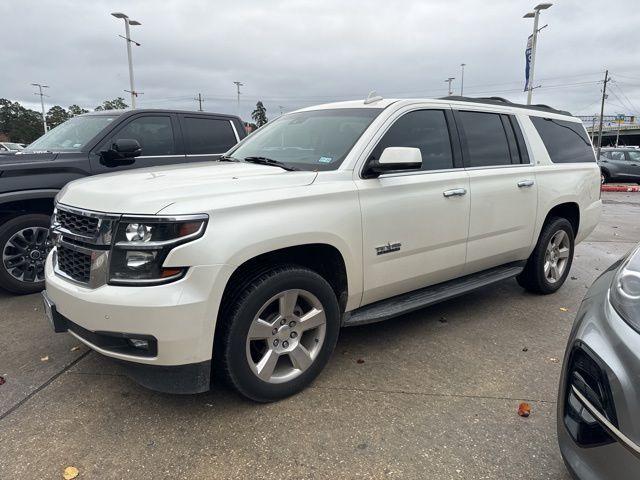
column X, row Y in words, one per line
column 138, row 343
column 140, row 260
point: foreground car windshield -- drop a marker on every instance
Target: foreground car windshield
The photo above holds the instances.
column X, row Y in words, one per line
column 71, row 135
column 313, row 140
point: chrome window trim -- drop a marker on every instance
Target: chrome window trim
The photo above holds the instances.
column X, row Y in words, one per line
column 417, row 172
column 235, row 132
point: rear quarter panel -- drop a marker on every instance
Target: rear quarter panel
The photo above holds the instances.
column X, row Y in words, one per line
column 563, row 183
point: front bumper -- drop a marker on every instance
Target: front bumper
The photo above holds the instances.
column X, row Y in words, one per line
column 177, row 318
column 616, row 348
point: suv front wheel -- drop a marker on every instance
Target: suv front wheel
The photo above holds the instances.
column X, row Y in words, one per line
column 279, row 333
column 549, row 264
column 24, row 245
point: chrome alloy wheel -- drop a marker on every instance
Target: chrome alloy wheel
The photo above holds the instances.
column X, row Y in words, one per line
column 24, row 254
column 286, row 336
column 556, row 256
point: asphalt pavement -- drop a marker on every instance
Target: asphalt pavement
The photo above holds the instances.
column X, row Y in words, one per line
column 433, row 394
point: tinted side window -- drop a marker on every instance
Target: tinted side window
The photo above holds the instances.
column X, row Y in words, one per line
column 634, row 156
column 485, row 139
column 613, row 155
column 155, row 135
column 423, row 129
column 566, row 142
column 208, row 135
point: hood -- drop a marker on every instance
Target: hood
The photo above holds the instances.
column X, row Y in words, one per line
column 149, row 190
column 22, row 159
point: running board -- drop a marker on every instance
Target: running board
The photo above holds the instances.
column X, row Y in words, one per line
column 417, row 299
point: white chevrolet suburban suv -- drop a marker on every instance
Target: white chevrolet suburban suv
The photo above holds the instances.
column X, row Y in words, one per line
column 330, row 216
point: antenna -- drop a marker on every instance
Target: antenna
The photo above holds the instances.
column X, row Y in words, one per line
column 373, row 97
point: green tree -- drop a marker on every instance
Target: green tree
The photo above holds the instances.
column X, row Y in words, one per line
column 76, row 110
column 19, row 124
column 259, row 115
column 57, row 115
column 115, row 104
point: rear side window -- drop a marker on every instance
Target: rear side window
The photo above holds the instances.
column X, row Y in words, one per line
column 613, row 155
column 485, row 139
column 566, row 142
column 423, row 129
column 208, row 135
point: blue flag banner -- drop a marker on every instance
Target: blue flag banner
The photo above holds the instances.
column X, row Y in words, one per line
column 527, row 57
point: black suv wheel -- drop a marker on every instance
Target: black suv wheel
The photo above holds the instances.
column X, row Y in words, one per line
column 24, row 245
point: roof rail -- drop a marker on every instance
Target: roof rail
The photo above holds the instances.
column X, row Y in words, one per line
column 504, row 101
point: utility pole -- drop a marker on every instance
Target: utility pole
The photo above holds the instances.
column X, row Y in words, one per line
column 127, row 37
column 199, row 100
column 238, row 85
column 42, row 95
column 534, row 44
column 449, row 80
column 604, row 96
column 462, row 65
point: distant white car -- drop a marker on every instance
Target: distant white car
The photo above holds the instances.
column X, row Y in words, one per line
column 6, row 147
column 334, row 215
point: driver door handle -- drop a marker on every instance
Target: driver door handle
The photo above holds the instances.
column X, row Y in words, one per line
column 455, row 192
column 525, row 183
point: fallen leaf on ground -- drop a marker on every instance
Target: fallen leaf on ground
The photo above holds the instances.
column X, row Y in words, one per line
column 75, row 349
column 360, row 360
column 45, row 359
column 563, row 309
column 525, row 349
column 70, row 473
column 553, row 360
column 524, row 409
column 2, row 380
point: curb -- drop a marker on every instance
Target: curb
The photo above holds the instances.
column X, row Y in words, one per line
column 620, row 188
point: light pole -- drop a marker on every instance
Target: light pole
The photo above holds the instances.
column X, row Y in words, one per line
column 534, row 42
column 449, row 80
column 42, row 95
column 462, row 65
column 127, row 37
column 238, row 85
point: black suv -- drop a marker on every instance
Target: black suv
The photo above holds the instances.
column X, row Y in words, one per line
column 620, row 165
column 90, row 144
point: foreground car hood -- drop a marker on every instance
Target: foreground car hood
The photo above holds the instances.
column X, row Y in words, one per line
column 149, row 190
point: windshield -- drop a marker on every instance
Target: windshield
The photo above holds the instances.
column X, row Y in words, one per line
column 13, row 146
column 71, row 135
column 313, row 140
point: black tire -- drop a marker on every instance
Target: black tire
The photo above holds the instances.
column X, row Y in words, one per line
column 8, row 281
column 533, row 277
column 604, row 177
column 231, row 347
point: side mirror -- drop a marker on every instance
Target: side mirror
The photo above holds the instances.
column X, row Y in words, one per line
column 122, row 152
column 395, row 159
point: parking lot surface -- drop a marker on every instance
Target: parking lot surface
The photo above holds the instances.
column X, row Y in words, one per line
column 433, row 394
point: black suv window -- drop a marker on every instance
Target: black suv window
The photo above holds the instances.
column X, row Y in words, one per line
column 566, row 142
column 423, row 129
column 485, row 140
column 155, row 135
column 208, row 135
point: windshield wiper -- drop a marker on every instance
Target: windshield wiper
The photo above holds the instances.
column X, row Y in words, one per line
column 227, row 158
column 271, row 162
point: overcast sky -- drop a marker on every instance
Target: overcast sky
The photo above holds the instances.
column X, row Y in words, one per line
column 299, row 53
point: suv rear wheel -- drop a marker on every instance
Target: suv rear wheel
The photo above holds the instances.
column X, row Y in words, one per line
column 24, row 245
column 550, row 262
column 279, row 333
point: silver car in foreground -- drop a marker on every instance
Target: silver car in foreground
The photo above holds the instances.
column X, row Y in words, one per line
column 598, row 421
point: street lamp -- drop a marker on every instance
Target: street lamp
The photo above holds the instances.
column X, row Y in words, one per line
column 42, row 95
column 238, row 85
column 534, row 42
column 449, row 80
column 462, row 65
column 127, row 37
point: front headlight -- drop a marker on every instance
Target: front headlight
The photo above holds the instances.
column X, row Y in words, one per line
column 141, row 245
column 625, row 290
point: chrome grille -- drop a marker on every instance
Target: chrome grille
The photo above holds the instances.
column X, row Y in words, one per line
column 76, row 223
column 74, row 264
